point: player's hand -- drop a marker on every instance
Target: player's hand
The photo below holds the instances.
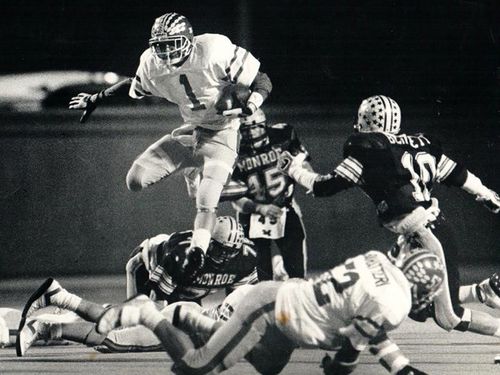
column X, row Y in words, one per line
column 332, row 367
column 87, row 102
column 491, row 201
column 409, row 370
column 287, row 163
column 253, row 102
column 269, row 210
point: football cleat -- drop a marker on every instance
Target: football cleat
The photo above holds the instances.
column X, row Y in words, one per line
column 488, row 291
column 379, row 114
column 126, row 314
column 49, row 293
column 32, row 331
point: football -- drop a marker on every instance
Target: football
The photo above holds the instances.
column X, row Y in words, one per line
column 232, row 97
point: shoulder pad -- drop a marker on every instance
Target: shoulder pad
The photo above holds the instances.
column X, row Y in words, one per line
column 374, row 140
column 214, row 46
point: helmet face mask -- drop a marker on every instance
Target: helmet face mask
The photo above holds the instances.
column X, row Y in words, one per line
column 171, row 38
column 253, row 130
column 227, row 239
column 378, row 114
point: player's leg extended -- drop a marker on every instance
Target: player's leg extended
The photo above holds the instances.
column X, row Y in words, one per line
column 292, row 246
column 471, row 320
column 486, row 292
column 219, row 152
column 159, row 161
column 252, row 320
column 51, row 293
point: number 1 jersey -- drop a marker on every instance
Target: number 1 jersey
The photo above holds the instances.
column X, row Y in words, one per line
column 196, row 85
column 366, row 293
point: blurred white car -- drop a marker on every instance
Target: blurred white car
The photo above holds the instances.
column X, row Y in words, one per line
column 30, row 92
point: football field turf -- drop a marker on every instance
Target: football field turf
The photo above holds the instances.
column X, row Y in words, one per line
column 429, row 348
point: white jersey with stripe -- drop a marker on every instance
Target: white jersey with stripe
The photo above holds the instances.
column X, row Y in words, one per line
column 360, row 299
column 195, row 86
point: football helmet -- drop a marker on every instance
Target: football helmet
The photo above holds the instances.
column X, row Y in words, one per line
column 171, row 38
column 253, row 130
column 227, row 238
column 425, row 272
column 379, row 114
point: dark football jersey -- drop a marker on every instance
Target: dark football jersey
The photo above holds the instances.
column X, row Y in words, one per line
column 257, row 169
column 396, row 171
column 234, row 272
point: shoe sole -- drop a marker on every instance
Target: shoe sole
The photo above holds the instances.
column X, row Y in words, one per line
column 37, row 294
column 19, row 352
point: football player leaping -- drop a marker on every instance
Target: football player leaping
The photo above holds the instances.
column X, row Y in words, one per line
column 203, row 75
column 398, row 171
column 350, row 306
column 230, row 262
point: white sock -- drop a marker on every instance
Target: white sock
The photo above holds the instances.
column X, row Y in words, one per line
column 67, row 300
column 468, row 294
column 201, row 238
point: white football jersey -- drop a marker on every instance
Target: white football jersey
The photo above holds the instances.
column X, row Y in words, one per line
column 197, row 84
column 357, row 299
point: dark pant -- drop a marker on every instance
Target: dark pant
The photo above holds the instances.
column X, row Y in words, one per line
column 292, row 247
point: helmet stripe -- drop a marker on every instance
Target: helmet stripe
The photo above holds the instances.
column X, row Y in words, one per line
column 387, row 113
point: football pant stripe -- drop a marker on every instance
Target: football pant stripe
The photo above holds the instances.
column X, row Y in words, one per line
column 218, row 358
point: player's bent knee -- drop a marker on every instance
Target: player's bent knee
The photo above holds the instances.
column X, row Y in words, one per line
column 133, row 180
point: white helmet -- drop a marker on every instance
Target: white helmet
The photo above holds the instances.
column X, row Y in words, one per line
column 425, row 272
column 379, row 114
column 228, row 239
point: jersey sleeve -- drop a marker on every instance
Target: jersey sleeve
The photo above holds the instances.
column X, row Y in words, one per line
column 141, row 86
column 236, row 64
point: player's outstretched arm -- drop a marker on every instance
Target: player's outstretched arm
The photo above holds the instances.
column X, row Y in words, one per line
column 89, row 102
column 486, row 196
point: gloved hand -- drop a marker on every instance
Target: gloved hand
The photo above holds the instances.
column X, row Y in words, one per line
column 87, row 102
column 332, row 367
column 410, row 370
column 491, row 201
column 287, row 163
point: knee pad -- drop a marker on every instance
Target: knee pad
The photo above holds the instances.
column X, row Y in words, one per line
column 208, row 195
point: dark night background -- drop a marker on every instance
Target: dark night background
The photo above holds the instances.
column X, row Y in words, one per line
column 439, row 59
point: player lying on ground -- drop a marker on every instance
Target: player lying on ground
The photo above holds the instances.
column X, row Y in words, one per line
column 154, row 267
column 230, row 262
column 353, row 305
column 398, row 171
column 204, row 75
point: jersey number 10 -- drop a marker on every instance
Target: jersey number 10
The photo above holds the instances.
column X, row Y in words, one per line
column 425, row 164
